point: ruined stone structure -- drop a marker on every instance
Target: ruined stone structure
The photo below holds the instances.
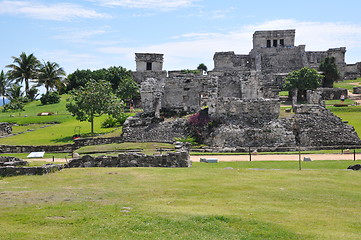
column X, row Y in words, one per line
column 241, row 93
column 5, row 129
column 171, row 159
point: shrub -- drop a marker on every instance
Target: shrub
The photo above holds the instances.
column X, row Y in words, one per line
column 187, row 139
column 111, row 121
column 14, row 105
column 50, row 98
column 185, row 71
column 199, row 119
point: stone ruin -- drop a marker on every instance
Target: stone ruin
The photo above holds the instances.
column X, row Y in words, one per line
column 5, row 129
column 241, row 95
column 12, row 166
column 171, row 159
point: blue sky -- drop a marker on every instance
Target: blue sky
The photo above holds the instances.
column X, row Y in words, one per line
column 92, row 34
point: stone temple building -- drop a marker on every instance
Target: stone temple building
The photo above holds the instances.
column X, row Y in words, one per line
column 241, row 93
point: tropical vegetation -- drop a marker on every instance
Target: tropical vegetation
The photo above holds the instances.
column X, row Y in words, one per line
column 302, row 80
column 93, row 100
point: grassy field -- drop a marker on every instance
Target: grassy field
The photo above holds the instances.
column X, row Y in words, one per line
column 145, row 147
column 44, row 133
column 348, row 84
column 207, row 201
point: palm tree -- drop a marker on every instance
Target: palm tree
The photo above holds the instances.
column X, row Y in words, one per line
column 14, row 92
column 51, row 75
column 4, row 84
column 23, row 69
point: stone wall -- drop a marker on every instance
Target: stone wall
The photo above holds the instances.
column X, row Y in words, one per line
column 312, row 126
column 332, row 93
column 172, row 159
column 250, row 111
column 224, row 61
column 17, row 171
column 66, row 148
column 279, row 60
column 353, row 71
column 316, row 126
column 81, row 142
column 271, row 135
column 356, row 90
column 282, row 38
column 184, row 92
column 12, row 161
column 28, row 148
column 149, row 61
column 137, row 129
column 5, row 129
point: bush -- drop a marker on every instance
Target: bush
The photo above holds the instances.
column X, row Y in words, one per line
column 199, row 119
column 110, row 121
column 14, row 105
column 187, row 139
column 50, row 98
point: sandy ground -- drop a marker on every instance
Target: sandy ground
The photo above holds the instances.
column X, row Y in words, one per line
column 278, row 157
column 271, row 157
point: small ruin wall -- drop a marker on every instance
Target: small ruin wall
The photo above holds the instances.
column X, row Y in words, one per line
column 171, row 159
column 5, row 129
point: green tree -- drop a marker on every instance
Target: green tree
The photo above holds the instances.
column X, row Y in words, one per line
column 202, row 66
column 14, row 92
column 51, row 76
column 114, row 75
column 303, row 80
column 4, row 84
column 24, row 69
column 120, row 78
column 94, row 99
column 78, row 78
column 127, row 89
column 329, row 68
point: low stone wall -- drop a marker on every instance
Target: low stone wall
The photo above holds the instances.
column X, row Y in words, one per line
column 173, row 159
column 12, row 161
column 356, row 90
column 29, row 148
column 16, row 171
column 67, row 148
column 332, row 93
column 81, row 142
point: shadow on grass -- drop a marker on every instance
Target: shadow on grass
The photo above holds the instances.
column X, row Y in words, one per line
column 69, row 139
column 63, row 140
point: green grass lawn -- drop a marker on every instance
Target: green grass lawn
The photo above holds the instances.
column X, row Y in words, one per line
column 53, row 134
column 145, row 147
column 348, row 84
column 206, row 201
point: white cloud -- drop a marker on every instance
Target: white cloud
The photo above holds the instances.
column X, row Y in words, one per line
column 317, row 35
column 57, row 12
column 81, row 35
column 320, row 36
column 149, row 4
column 189, row 49
column 214, row 15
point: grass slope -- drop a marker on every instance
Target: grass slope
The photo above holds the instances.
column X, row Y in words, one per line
column 207, row 201
column 53, row 134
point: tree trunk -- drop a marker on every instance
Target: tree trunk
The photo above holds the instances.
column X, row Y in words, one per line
column 294, row 96
column 26, row 86
column 92, row 123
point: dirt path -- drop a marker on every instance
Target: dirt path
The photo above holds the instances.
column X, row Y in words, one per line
column 229, row 158
column 279, row 157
